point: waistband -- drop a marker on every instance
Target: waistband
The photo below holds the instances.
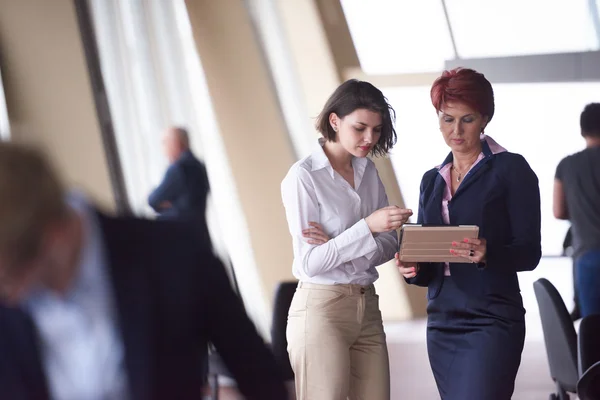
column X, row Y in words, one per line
column 341, row 288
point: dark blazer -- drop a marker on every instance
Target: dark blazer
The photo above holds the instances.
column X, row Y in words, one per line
column 500, row 195
column 185, row 186
column 172, row 296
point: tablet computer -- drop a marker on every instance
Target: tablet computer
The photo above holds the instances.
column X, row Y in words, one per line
column 425, row 243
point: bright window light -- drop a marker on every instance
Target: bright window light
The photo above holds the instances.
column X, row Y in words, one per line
column 4, row 123
column 398, row 36
column 492, row 28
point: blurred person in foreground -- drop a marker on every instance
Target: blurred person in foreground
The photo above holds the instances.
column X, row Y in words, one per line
column 476, row 319
column 184, row 189
column 96, row 307
column 577, row 199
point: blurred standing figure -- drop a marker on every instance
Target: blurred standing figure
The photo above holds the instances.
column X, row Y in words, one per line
column 577, row 198
column 184, row 189
column 475, row 314
column 342, row 228
column 100, row 307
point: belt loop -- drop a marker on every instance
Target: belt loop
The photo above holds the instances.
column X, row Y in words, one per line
column 300, row 285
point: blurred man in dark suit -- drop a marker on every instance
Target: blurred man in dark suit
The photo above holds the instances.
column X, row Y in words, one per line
column 97, row 307
column 184, row 189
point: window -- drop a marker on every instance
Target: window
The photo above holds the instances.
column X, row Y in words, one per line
column 400, row 36
column 492, row 28
column 287, row 82
column 539, row 121
column 395, row 36
column 154, row 79
column 4, row 122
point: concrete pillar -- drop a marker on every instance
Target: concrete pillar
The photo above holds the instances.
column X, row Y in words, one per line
column 48, row 91
column 252, row 128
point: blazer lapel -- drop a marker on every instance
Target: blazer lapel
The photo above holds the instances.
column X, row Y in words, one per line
column 479, row 169
column 133, row 293
column 433, row 208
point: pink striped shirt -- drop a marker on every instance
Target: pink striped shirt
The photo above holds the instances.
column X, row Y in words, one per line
column 445, row 171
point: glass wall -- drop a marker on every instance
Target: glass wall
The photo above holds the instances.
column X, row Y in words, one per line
column 154, row 79
column 4, row 124
column 521, row 27
column 400, row 36
column 393, row 37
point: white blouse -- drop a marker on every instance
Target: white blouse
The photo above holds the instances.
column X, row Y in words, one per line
column 314, row 191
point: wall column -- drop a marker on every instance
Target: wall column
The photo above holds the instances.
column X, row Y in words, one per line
column 48, row 91
column 252, row 129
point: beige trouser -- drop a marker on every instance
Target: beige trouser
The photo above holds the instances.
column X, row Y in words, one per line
column 336, row 343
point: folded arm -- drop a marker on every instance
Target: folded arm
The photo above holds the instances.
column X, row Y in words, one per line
column 169, row 189
column 301, row 207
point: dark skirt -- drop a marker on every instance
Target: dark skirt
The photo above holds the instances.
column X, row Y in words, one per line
column 475, row 343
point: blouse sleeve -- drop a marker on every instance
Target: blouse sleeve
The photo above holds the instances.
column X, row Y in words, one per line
column 387, row 242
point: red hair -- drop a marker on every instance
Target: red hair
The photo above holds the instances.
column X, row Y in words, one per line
column 464, row 85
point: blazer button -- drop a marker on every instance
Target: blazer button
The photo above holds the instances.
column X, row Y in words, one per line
column 362, row 290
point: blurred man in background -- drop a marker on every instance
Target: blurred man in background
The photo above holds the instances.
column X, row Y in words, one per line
column 184, row 189
column 577, row 199
column 96, row 307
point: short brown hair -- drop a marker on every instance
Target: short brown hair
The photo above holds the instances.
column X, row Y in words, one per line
column 31, row 197
column 353, row 95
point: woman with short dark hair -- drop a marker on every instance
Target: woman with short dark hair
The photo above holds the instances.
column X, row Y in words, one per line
column 342, row 228
column 476, row 319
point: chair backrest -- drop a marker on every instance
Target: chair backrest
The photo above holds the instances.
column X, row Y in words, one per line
column 559, row 335
column 588, row 387
column 588, row 345
column 283, row 299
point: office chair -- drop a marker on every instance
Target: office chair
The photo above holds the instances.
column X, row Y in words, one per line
column 588, row 345
column 560, row 339
column 588, row 386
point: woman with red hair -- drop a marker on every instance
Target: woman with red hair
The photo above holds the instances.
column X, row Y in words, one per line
column 476, row 319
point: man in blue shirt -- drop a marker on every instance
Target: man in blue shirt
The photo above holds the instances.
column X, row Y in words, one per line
column 94, row 307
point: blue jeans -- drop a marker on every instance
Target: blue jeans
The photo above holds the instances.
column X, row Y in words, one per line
column 588, row 282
